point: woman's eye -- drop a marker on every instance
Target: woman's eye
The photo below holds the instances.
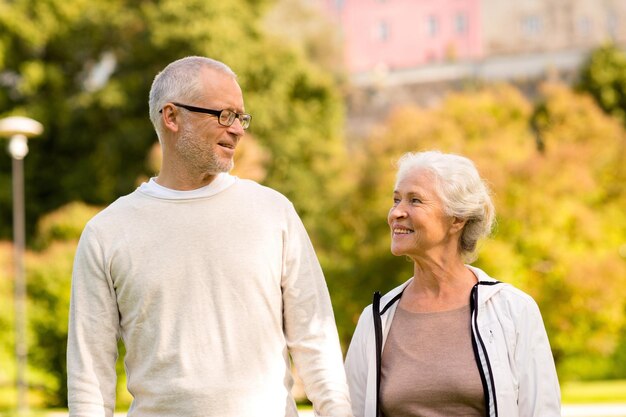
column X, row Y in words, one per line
column 396, row 201
column 416, row 201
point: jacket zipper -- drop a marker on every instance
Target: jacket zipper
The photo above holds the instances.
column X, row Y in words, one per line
column 478, row 345
column 486, row 375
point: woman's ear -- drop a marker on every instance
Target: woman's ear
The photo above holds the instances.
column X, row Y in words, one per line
column 457, row 224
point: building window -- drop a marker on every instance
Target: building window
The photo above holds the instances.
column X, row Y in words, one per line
column 432, row 25
column 532, row 25
column 611, row 24
column 584, row 26
column 382, row 31
column 460, row 23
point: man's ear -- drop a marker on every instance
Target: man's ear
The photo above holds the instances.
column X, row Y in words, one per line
column 170, row 117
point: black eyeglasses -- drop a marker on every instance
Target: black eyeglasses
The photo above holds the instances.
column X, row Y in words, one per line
column 225, row 117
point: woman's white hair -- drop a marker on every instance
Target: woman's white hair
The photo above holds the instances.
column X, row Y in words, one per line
column 463, row 192
column 180, row 80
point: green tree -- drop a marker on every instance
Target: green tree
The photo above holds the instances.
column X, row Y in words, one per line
column 473, row 123
column 48, row 276
column 571, row 232
column 84, row 70
column 304, row 25
column 560, row 217
column 7, row 339
column 604, row 77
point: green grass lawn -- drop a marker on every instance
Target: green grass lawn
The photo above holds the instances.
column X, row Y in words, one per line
column 572, row 393
column 594, row 392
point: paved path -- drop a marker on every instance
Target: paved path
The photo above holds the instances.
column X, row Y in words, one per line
column 597, row 410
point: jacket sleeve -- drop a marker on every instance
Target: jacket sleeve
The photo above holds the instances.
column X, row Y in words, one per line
column 93, row 333
column 309, row 325
column 357, row 364
column 539, row 392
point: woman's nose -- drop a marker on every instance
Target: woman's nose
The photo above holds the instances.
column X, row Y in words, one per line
column 397, row 212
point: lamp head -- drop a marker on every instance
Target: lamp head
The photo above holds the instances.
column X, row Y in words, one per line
column 19, row 129
column 19, row 125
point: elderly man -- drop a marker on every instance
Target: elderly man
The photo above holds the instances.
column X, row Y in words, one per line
column 210, row 280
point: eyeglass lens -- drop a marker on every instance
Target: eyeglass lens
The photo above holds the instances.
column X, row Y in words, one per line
column 227, row 118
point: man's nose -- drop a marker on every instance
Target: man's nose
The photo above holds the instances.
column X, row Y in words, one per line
column 236, row 128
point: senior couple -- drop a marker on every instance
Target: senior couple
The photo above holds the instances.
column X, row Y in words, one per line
column 213, row 286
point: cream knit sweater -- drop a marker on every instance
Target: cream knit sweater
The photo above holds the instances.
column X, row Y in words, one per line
column 210, row 296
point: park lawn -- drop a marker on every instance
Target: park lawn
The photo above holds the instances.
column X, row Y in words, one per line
column 592, row 392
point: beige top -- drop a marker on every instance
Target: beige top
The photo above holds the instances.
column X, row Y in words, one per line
column 211, row 292
column 428, row 366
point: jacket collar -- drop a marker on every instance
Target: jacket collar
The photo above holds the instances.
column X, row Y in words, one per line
column 485, row 293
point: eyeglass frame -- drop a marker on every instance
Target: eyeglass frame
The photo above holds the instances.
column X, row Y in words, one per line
column 245, row 121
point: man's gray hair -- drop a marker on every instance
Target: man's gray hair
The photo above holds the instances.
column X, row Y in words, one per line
column 463, row 192
column 180, row 80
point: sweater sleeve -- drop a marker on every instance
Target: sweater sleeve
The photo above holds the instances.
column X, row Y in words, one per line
column 539, row 392
column 309, row 324
column 93, row 333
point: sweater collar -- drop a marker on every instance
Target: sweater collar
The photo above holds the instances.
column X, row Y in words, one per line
column 221, row 182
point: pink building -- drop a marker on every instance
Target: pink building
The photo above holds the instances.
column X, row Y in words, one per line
column 398, row 34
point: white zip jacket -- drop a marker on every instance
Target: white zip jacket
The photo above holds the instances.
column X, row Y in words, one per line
column 509, row 337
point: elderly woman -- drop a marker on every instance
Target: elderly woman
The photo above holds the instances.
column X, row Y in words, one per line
column 451, row 341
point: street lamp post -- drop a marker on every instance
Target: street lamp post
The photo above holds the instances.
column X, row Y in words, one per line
column 18, row 129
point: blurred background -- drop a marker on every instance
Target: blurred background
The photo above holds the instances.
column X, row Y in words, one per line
column 533, row 91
